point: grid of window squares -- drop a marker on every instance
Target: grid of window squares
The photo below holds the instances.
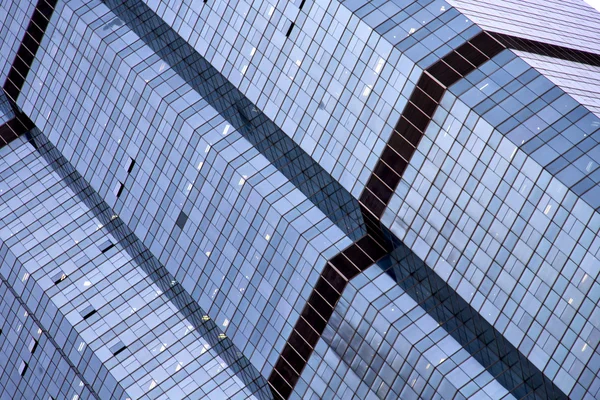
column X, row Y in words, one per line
column 17, row 280
column 334, row 85
column 295, row 164
column 417, row 114
column 570, row 23
column 260, row 261
column 408, row 25
column 259, row 247
column 546, row 123
column 427, row 44
column 424, row 191
column 504, row 233
column 110, row 307
column 380, row 343
column 33, row 368
column 438, row 35
column 14, row 17
column 579, row 80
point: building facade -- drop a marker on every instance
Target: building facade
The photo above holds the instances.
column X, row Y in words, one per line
column 316, row 199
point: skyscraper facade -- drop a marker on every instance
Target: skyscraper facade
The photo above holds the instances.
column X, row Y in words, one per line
column 316, row 199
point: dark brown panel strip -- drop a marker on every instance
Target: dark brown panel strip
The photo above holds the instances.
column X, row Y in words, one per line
column 417, row 114
column 424, row 100
column 401, row 145
column 408, row 130
column 17, row 126
column 444, row 73
column 385, row 173
column 378, row 192
column 28, row 48
column 319, row 308
column 431, row 87
column 486, row 44
column 471, row 54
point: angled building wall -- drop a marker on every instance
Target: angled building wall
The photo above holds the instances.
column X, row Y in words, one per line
column 350, row 199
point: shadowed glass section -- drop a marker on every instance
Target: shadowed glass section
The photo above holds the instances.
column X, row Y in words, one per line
column 486, row 344
column 64, row 358
column 6, row 111
column 293, row 162
column 170, row 288
column 13, row 122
